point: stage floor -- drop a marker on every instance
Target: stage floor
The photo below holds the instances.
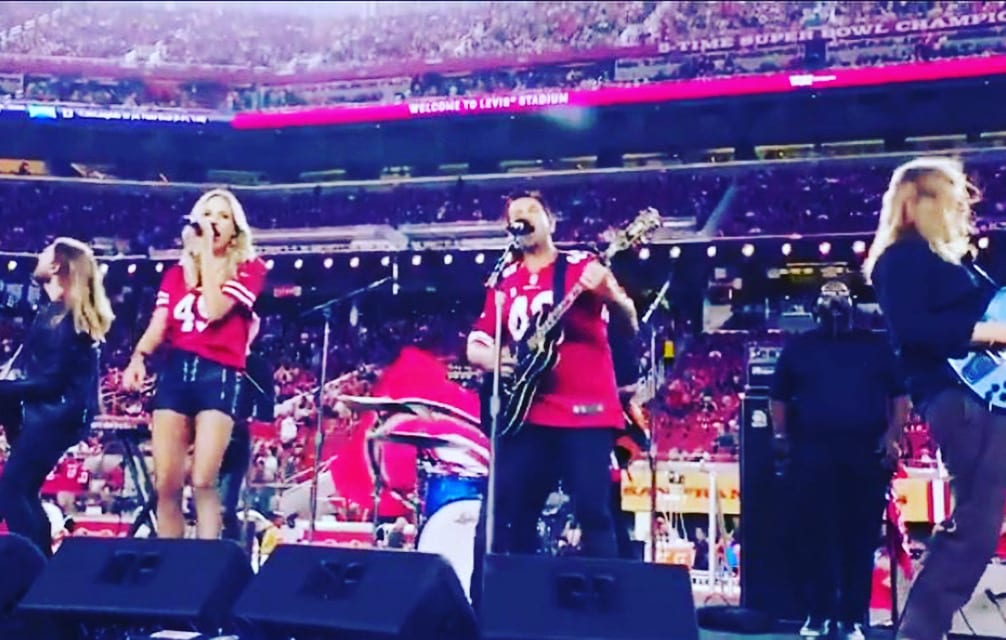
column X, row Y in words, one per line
column 874, row 634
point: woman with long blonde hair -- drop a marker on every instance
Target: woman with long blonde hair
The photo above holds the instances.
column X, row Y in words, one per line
column 203, row 315
column 58, row 394
column 934, row 302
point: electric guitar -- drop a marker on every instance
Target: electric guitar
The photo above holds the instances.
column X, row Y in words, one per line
column 983, row 371
column 537, row 355
column 634, row 442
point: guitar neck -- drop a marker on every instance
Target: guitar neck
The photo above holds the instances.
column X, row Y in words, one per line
column 556, row 314
column 560, row 310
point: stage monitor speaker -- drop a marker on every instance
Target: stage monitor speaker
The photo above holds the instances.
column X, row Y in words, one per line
column 132, row 581
column 20, row 565
column 769, row 573
column 548, row 598
column 318, row 592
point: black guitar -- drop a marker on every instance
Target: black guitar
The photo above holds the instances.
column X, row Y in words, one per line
column 537, row 355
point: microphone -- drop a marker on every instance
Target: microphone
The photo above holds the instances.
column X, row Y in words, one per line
column 520, row 228
column 199, row 230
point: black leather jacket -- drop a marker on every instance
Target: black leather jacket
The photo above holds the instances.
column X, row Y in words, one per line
column 59, row 387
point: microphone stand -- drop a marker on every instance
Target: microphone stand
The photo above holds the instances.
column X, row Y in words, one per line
column 651, row 381
column 326, row 309
column 494, row 402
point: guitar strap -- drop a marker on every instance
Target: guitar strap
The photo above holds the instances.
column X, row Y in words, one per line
column 559, row 279
column 972, row 266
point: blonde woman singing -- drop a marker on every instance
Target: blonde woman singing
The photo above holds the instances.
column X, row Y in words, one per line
column 933, row 302
column 59, row 391
column 203, row 316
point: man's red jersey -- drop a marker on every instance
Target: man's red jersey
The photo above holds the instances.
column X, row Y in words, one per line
column 580, row 391
column 224, row 341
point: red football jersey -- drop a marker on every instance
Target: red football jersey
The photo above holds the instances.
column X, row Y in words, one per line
column 224, row 341
column 580, row 391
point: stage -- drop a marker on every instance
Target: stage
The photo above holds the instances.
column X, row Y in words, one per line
column 873, row 634
column 877, row 634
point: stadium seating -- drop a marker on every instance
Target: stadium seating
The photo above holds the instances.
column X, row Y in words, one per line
column 487, row 46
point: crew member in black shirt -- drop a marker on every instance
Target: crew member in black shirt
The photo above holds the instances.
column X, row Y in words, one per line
column 838, row 404
column 934, row 303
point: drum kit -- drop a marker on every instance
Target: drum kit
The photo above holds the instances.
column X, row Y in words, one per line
column 447, row 504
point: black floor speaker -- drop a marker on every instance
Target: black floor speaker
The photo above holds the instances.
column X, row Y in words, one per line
column 360, row 594
column 548, row 598
column 140, row 582
column 21, row 563
column 770, row 575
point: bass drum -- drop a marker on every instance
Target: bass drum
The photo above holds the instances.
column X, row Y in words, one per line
column 450, row 532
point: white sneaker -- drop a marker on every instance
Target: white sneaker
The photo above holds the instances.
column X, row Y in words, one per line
column 853, row 632
column 814, row 628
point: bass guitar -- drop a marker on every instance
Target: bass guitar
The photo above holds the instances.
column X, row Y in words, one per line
column 539, row 353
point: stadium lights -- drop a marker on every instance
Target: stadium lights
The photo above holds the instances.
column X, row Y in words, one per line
column 298, row 263
column 824, row 248
column 159, row 267
column 354, row 262
column 131, row 269
column 480, row 258
column 711, row 251
column 417, row 260
column 787, row 248
column 448, row 258
column 644, row 253
column 270, row 263
column 748, row 250
column 983, row 242
column 328, row 263
column 104, row 267
column 859, row 247
column 675, row 252
column 385, row 261
column 12, row 265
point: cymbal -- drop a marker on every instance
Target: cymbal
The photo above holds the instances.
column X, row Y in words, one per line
column 416, row 440
column 369, row 403
column 420, row 407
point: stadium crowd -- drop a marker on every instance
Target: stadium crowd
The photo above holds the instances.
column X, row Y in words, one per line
column 31, row 209
column 821, row 197
column 569, row 44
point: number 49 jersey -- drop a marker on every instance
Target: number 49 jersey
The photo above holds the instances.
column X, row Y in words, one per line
column 580, row 391
column 224, row 341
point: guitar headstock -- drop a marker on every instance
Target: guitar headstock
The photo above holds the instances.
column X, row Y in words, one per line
column 635, row 233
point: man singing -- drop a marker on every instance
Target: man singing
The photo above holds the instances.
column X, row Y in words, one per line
column 838, row 404
column 569, row 430
column 59, row 391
